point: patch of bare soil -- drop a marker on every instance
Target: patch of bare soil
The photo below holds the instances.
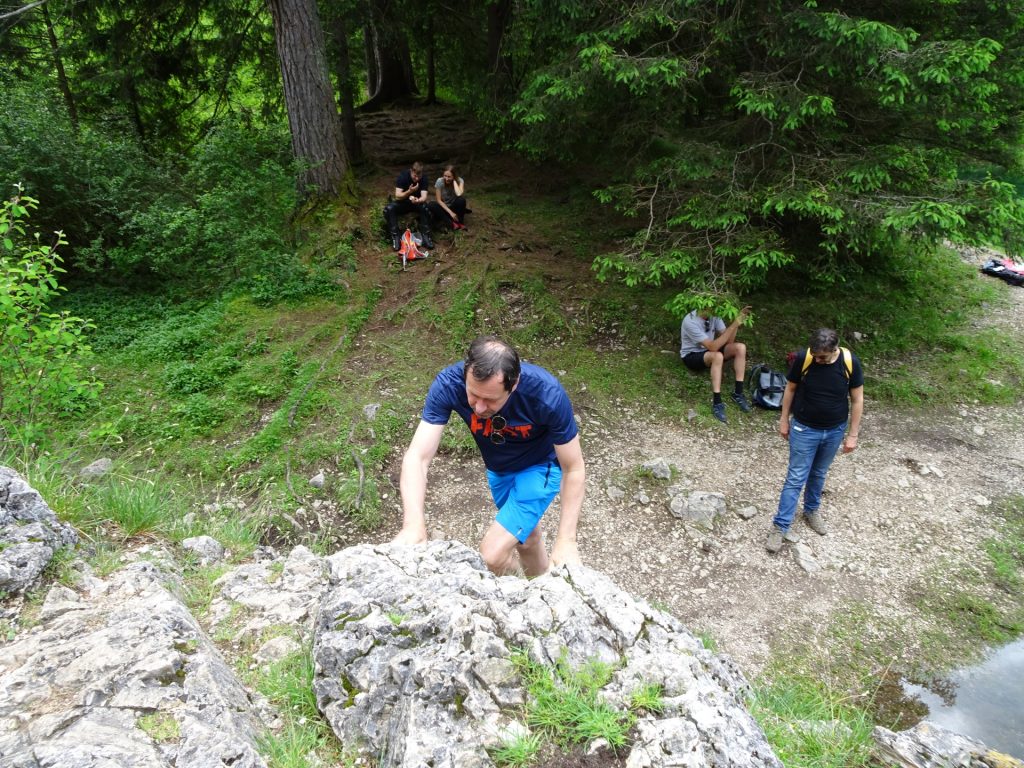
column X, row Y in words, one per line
column 910, row 507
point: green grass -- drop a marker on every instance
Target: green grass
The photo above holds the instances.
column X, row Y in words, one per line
column 811, row 724
column 161, row 727
column 518, row 752
column 564, row 705
column 1006, row 552
column 306, row 736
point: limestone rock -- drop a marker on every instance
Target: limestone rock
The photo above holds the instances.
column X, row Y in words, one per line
column 659, row 468
column 700, row 507
column 281, row 591
column 72, row 691
column 413, row 649
column 207, row 548
column 30, row 533
column 927, row 745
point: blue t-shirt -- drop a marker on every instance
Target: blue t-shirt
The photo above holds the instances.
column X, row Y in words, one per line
column 538, row 417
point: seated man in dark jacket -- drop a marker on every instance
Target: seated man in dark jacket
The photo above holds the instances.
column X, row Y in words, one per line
column 410, row 195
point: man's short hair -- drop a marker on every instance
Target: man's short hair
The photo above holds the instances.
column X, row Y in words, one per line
column 489, row 355
column 824, row 340
column 417, row 167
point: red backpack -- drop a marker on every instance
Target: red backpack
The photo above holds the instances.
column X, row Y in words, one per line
column 410, row 251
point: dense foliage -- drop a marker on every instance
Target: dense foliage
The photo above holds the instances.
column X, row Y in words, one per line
column 749, row 136
column 742, row 137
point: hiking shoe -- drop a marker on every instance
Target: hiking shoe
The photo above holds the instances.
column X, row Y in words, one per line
column 719, row 410
column 741, row 400
column 396, row 242
column 816, row 522
column 775, row 536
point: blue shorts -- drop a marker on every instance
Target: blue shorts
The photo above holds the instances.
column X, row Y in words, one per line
column 523, row 497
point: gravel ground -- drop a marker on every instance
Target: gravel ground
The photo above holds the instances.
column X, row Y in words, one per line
column 910, row 507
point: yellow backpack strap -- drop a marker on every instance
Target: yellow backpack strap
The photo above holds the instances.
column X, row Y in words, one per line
column 807, row 362
column 847, row 362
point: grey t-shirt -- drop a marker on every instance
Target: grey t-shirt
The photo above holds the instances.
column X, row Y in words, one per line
column 696, row 329
column 447, row 193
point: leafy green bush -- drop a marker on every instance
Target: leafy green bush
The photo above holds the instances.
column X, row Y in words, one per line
column 224, row 215
column 92, row 180
column 42, row 352
column 222, row 211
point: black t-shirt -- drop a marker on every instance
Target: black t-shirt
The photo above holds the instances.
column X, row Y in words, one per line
column 822, row 399
column 404, row 181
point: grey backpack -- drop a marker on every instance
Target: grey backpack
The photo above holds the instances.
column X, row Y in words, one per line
column 766, row 387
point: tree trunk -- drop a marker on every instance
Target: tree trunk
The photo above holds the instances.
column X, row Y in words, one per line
column 388, row 63
column 499, row 65
column 312, row 117
column 58, row 63
column 431, row 76
column 346, row 92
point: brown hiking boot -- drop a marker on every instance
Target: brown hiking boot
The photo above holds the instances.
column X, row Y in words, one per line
column 774, row 542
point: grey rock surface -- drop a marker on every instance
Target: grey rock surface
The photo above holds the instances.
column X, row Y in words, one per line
column 206, row 548
column 30, row 533
column 74, row 689
column 413, row 649
column 279, row 591
column 927, row 745
column 658, row 468
column 98, row 468
column 699, row 507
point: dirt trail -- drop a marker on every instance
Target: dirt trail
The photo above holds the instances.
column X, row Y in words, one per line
column 911, row 506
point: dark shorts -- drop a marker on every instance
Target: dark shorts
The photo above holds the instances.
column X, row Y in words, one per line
column 695, row 361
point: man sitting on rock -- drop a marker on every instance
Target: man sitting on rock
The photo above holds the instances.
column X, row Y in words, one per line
column 410, row 196
column 523, row 424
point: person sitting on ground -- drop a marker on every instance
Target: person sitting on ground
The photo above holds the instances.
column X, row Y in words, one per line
column 706, row 343
column 449, row 204
column 410, row 196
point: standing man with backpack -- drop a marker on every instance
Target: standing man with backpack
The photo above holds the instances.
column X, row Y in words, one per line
column 706, row 343
column 824, row 391
column 410, row 195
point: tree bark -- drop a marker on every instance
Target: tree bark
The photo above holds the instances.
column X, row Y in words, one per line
column 346, row 91
column 388, row 63
column 499, row 65
column 58, row 63
column 431, row 75
column 312, row 117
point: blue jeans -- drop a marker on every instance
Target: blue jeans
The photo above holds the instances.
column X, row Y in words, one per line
column 810, row 455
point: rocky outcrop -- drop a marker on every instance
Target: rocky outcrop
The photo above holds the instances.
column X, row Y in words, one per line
column 926, row 745
column 413, row 647
column 415, row 654
column 30, row 533
column 118, row 673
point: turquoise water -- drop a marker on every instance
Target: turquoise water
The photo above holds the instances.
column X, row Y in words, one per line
column 985, row 702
